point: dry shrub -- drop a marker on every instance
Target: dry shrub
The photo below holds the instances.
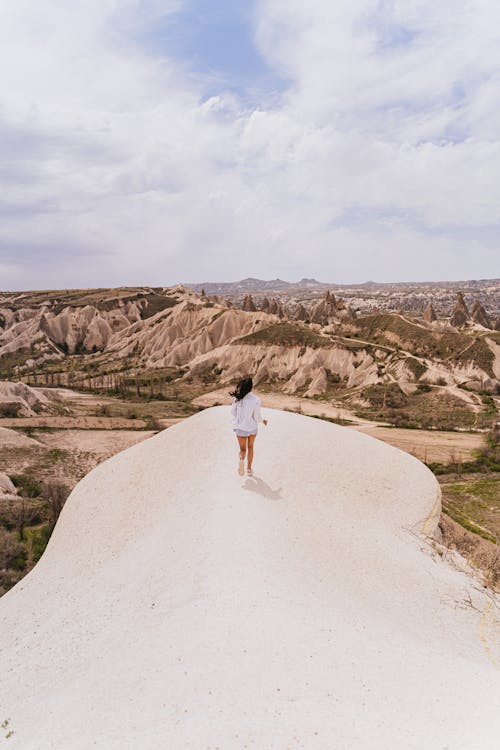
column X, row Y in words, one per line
column 55, row 494
column 153, row 423
column 479, row 553
column 11, row 549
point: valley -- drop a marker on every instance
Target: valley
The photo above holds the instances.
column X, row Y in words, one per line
column 87, row 373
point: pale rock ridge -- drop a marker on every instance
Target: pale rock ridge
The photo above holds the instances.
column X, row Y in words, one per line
column 304, row 607
column 7, row 487
column 15, row 439
column 293, row 366
column 179, row 336
column 86, row 327
column 73, row 329
column 28, row 399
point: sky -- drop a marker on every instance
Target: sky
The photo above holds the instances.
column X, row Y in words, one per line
column 162, row 141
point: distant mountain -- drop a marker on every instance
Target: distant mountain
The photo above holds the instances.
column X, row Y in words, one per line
column 262, row 286
column 252, row 286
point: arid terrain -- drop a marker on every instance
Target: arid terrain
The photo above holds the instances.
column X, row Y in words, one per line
column 86, row 373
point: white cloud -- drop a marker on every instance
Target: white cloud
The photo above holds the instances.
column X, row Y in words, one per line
column 379, row 158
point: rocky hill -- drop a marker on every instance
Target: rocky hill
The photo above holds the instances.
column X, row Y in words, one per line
column 105, row 338
column 180, row 606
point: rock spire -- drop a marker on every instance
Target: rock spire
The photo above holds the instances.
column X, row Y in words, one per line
column 460, row 314
column 248, row 304
column 430, row 314
column 479, row 315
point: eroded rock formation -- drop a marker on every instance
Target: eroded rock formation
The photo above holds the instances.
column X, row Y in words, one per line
column 479, row 315
column 460, row 314
column 248, row 304
column 430, row 314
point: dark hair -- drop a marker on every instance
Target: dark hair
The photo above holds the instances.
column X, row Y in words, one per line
column 243, row 387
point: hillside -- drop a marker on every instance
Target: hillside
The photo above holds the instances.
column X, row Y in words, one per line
column 266, row 612
column 179, row 340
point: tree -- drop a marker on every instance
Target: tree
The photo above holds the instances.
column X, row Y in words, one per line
column 23, row 511
column 10, row 549
column 55, row 494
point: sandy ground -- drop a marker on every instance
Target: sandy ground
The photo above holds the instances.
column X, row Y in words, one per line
column 103, row 443
column 15, row 439
column 84, row 399
column 428, row 445
column 81, row 423
column 179, row 605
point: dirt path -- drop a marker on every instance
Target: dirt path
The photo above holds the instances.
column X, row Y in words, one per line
column 428, row 445
column 77, row 397
column 80, row 423
column 102, row 443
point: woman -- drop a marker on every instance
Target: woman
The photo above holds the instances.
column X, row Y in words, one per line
column 245, row 413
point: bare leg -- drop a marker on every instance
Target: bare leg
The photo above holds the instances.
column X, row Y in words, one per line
column 242, row 441
column 243, row 447
column 251, row 441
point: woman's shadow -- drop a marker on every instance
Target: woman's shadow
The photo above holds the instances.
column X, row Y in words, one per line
column 254, row 484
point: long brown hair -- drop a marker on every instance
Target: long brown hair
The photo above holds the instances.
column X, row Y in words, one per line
column 243, row 387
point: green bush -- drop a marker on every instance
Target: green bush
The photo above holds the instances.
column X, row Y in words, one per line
column 424, row 388
column 10, row 411
column 26, row 485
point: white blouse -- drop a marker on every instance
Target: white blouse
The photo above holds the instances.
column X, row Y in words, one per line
column 245, row 413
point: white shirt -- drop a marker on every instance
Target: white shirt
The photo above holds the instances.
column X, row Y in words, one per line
column 245, row 413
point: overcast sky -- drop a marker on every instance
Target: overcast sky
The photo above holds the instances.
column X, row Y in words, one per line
column 157, row 141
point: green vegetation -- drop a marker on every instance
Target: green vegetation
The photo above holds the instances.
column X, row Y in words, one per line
column 480, row 354
column 26, row 523
column 475, row 505
column 26, row 485
column 490, row 404
column 486, row 460
column 157, row 303
column 416, row 367
column 385, row 396
column 106, row 299
column 9, row 362
column 10, row 411
column 333, row 420
column 424, row 388
column 285, row 334
column 427, row 408
column 57, row 454
column 392, row 330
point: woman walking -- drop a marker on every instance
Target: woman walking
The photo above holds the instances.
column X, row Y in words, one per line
column 245, row 414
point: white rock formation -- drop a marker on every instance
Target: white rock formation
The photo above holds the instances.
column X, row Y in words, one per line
column 15, row 439
column 6, row 485
column 180, row 606
column 24, row 395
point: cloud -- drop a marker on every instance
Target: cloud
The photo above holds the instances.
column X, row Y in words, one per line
column 369, row 147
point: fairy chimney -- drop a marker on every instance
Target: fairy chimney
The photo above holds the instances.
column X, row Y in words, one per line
column 460, row 314
column 479, row 315
column 301, row 313
column 430, row 314
column 248, row 304
column 265, row 305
